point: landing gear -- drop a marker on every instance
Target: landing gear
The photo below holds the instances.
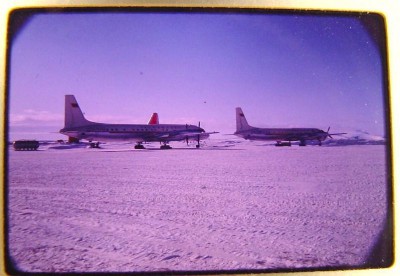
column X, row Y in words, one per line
column 283, row 144
column 319, row 143
column 139, row 146
column 198, row 140
column 94, row 145
column 165, row 146
column 302, row 143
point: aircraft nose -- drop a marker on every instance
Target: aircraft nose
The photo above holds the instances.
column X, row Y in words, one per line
column 202, row 130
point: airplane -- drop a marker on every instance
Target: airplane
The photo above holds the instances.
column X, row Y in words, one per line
column 282, row 136
column 77, row 127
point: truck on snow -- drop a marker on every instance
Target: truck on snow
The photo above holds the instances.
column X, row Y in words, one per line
column 26, row 145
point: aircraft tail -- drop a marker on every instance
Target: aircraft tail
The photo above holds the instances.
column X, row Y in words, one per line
column 73, row 114
column 154, row 119
column 241, row 122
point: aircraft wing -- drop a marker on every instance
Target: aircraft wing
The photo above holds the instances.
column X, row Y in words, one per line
column 300, row 137
column 195, row 134
column 179, row 135
column 309, row 136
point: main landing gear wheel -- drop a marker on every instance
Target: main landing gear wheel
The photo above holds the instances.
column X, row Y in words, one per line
column 283, row 144
column 302, row 143
column 94, row 145
column 139, row 146
column 198, row 140
column 165, row 146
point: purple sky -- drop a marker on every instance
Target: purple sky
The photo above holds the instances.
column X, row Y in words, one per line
column 283, row 70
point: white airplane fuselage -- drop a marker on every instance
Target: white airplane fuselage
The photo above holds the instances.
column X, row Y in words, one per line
column 134, row 132
column 282, row 134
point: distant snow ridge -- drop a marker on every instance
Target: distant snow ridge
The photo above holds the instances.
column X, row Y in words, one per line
column 356, row 137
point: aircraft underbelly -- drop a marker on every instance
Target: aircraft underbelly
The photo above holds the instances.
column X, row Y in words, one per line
column 191, row 137
column 262, row 137
column 109, row 137
column 273, row 137
column 104, row 136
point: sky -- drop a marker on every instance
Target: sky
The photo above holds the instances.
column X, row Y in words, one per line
column 284, row 70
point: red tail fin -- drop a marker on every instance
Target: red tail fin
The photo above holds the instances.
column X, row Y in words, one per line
column 154, row 119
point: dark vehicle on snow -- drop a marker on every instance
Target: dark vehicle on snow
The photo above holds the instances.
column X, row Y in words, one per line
column 26, row 145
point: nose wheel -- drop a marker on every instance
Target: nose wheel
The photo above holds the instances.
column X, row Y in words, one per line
column 198, row 140
column 165, row 146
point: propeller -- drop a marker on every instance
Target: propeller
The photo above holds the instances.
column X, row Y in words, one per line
column 198, row 138
column 330, row 134
column 327, row 132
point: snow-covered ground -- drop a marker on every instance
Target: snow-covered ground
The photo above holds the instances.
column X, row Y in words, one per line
column 231, row 205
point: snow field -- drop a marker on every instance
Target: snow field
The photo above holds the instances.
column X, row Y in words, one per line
column 247, row 206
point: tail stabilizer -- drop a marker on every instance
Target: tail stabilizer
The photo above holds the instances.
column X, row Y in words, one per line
column 154, row 119
column 241, row 122
column 73, row 114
